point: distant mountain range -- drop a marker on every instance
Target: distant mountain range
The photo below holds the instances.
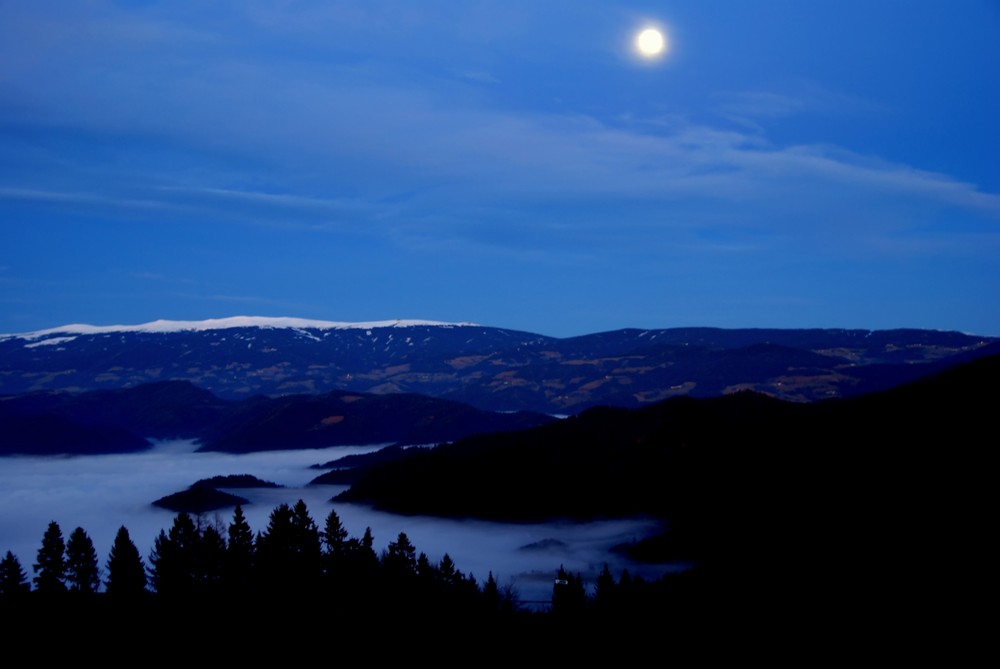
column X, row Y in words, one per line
column 492, row 369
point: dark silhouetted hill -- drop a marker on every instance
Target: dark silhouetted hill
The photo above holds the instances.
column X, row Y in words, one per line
column 199, row 499
column 112, row 421
column 47, row 434
column 342, row 418
column 885, row 496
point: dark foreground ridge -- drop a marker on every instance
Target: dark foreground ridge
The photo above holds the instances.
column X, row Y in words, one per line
column 807, row 507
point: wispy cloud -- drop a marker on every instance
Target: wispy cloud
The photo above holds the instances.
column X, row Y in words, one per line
column 755, row 109
column 77, row 198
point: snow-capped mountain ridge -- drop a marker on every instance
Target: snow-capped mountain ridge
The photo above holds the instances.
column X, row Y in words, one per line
column 165, row 326
column 488, row 367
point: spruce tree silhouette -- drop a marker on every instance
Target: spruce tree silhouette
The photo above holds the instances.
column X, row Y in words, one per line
column 334, row 535
column 449, row 573
column 82, row 573
column 569, row 597
column 274, row 561
column 306, row 546
column 288, row 552
column 210, row 561
column 491, row 595
column 13, row 580
column 427, row 573
column 361, row 570
column 335, row 547
column 400, row 557
column 173, row 567
column 50, row 569
column 239, row 554
column 368, row 544
column 126, row 570
column 605, row 595
column 399, row 583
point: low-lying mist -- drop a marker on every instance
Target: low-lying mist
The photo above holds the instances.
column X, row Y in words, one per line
column 102, row 493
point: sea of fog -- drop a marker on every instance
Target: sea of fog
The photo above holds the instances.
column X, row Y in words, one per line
column 102, row 493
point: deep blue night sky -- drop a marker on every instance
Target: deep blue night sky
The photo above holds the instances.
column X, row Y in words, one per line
column 517, row 164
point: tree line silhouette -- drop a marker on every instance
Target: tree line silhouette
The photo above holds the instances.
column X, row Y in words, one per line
column 292, row 561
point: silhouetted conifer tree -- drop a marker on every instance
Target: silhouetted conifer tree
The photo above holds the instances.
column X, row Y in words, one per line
column 335, row 548
column 306, row 543
column 491, row 595
column 425, row 570
column 210, row 560
column 277, row 536
column 173, row 561
column 362, row 562
column 334, row 535
column 126, row 570
column 82, row 573
column 363, row 550
column 288, row 551
column 463, row 592
column 496, row 599
column 569, row 597
column 449, row 574
column 239, row 553
column 400, row 557
column 13, row 580
column 604, row 593
column 401, row 588
column 429, row 581
column 50, row 570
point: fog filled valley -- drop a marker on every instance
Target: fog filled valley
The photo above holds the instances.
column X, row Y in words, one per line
column 100, row 493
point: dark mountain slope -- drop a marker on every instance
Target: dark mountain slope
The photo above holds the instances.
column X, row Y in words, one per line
column 603, row 462
column 159, row 410
column 342, row 418
column 885, row 496
column 112, row 420
column 616, row 461
column 48, row 434
column 877, row 377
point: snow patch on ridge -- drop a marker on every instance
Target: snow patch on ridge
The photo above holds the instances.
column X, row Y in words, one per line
column 162, row 326
column 50, row 342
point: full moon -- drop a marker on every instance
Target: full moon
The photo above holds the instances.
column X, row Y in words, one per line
column 650, row 42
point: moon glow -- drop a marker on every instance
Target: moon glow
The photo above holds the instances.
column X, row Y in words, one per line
column 650, row 42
